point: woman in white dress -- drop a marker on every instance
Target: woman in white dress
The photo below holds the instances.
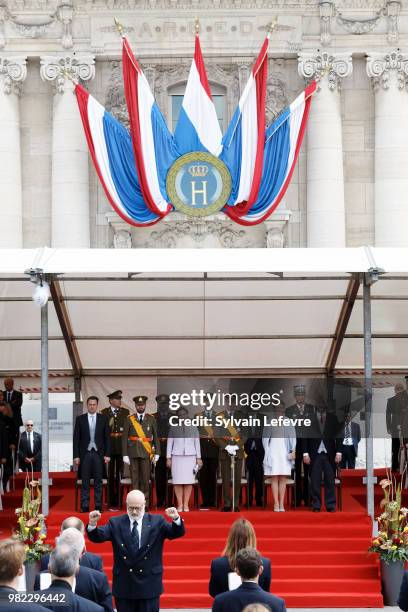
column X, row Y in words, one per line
column 279, row 443
column 184, row 459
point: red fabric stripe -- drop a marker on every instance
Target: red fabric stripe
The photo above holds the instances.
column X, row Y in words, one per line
column 199, row 62
column 260, row 72
column 130, row 79
column 82, row 99
column 309, row 91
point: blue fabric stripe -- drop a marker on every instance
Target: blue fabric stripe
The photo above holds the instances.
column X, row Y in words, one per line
column 275, row 165
column 123, row 170
column 231, row 153
column 165, row 148
column 185, row 135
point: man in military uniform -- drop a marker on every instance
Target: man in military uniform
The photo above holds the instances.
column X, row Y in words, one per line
column 140, row 445
column 231, row 439
column 162, row 418
column 210, row 457
column 301, row 410
column 116, row 416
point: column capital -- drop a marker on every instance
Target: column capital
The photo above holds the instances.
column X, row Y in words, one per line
column 13, row 71
column 335, row 66
column 57, row 68
column 381, row 66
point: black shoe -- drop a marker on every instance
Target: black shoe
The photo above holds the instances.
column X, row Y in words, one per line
column 331, row 509
column 204, row 507
column 236, row 509
column 226, row 509
column 315, row 509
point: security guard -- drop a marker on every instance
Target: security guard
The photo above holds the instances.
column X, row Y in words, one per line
column 162, row 417
column 210, row 458
column 140, row 445
column 231, row 439
column 116, row 416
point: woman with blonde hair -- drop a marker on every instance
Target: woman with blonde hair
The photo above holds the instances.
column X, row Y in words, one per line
column 241, row 535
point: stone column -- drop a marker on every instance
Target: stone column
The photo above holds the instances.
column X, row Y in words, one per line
column 389, row 75
column 326, row 225
column 13, row 71
column 70, row 176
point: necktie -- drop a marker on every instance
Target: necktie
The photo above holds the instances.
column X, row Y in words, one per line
column 135, row 535
column 8, row 396
column 141, row 419
column 347, row 435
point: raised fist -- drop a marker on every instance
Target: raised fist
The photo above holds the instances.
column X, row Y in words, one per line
column 94, row 517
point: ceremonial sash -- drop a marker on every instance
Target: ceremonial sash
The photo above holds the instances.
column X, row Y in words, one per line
column 209, row 430
column 139, row 430
column 235, row 437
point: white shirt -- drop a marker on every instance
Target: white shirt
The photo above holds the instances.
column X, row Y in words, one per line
column 30, row 441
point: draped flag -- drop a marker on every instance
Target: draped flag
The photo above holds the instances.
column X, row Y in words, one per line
column 153, row 144
column 111, row 150
column 282, row 145
column 197, row 127
column 243, row 143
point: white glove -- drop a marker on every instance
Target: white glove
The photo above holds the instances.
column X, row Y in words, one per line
column 126, row 460
column 155, row 459
column 231, row 449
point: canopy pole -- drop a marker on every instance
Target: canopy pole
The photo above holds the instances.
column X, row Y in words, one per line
column 44, row 410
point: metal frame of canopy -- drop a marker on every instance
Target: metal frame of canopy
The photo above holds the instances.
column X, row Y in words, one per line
column 364, row 271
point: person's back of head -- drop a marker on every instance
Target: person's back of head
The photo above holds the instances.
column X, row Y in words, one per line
column 73, row 521
column 256, row 607
column 12, row 557
column 74, row 539
column 248, row 563
column 64, row 562
column 241, row 535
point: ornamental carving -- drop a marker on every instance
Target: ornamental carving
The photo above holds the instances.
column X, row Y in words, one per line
column 59, row 68
column 126, row 5
column 276, row 96
column 115, row 101
column 227, row 234
column 13, row 71
column 380, row 66
column 334, row 66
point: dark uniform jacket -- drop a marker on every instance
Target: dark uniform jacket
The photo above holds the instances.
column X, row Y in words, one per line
column 75, row 602
column 162, row 420
column 224, row 436
column 220, row 568
column 88, row 559
column 208, row 444
column 24, row 450
column 134, row 448
column 82, row 436
column 396, row 411
column 137, row 574
column 247, row 593
column 15, row 401
column 330, row 437
column 6, row 606
column 293, row 412
column 116, row 424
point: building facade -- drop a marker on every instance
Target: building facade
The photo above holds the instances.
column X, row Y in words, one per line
column 349, row 187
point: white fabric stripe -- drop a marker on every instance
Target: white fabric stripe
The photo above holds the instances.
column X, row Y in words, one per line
column 249, row 139
column 145, row 105
column 297, row 109
column 201, row 112
column 95, row 117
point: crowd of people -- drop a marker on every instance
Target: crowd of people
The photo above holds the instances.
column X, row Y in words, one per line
column 155, row 448
column 240, row 578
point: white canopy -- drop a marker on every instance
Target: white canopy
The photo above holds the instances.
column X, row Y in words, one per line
column 254, row 311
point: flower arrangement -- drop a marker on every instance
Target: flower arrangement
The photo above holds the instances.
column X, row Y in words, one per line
column 392, row 540
column 31, row 529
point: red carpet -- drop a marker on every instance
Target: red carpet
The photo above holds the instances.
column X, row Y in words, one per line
column 318, row 560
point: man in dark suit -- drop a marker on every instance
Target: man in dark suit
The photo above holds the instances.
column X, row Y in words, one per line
column 322, row 451
column 160, row 473
column 255, row 453
column 116, row 415
column 397, row 406
column 300, row 410
column 91, row 451
column 87, row 559
column 137, row 541
column 403, row 596
column 89, row 583
column 12, row 557
column 351, row 438
column 14, row 399
column 64, row 564
column 249, row 568
column 29, row 449
column 210, row 458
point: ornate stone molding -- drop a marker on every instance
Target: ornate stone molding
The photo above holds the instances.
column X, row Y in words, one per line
column 122, row 232
column 3, row 16
column 335, row 66
column 358, row 26
column 391, row 11
column 276, row 229
column 126, row 5
column 327, row 11
column 175, row 227
column 55, row 68
column 65, row 14
column 13, row 71
column 379, row 67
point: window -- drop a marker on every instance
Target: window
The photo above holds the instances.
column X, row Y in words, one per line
column 219, row 99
